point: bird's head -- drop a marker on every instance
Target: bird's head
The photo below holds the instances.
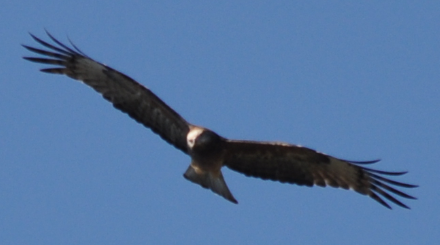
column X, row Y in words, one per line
column 203, row 141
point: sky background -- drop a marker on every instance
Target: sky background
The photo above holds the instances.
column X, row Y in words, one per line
column 355, row 80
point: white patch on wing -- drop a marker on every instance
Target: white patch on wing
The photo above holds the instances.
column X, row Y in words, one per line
column 192, row 136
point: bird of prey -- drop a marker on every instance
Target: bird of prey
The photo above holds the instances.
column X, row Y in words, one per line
column 209, row 152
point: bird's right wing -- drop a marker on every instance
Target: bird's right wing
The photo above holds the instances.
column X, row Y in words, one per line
column 122, row 91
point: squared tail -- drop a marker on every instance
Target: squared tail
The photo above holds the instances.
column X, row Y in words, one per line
column 212, row 181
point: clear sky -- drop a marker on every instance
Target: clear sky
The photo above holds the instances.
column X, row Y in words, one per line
column 355, row 80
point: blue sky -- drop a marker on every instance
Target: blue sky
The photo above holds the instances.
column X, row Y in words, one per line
column 355, row 80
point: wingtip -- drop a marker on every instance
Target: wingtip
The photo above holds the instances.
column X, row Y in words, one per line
column 50, row 35
column 47, row 32
column 412, row 186
column 34, row 37
column 365, row 162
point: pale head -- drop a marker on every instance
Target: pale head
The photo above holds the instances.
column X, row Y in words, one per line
column 192, row 136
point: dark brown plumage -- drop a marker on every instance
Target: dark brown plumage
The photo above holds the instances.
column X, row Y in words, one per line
column 209, row 152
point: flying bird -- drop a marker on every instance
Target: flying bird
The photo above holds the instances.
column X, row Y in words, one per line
column 209, row 152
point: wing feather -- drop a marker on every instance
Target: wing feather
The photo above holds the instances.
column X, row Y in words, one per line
column 122, row 91
column 303, row 166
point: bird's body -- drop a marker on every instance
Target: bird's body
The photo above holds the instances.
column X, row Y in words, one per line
column 209, row 152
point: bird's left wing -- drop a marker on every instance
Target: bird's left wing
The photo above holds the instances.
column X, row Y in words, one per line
column 122, row 91
column 303, row 166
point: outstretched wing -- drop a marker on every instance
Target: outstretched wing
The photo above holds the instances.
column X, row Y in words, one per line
column 123, row 92
column 302, row 166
